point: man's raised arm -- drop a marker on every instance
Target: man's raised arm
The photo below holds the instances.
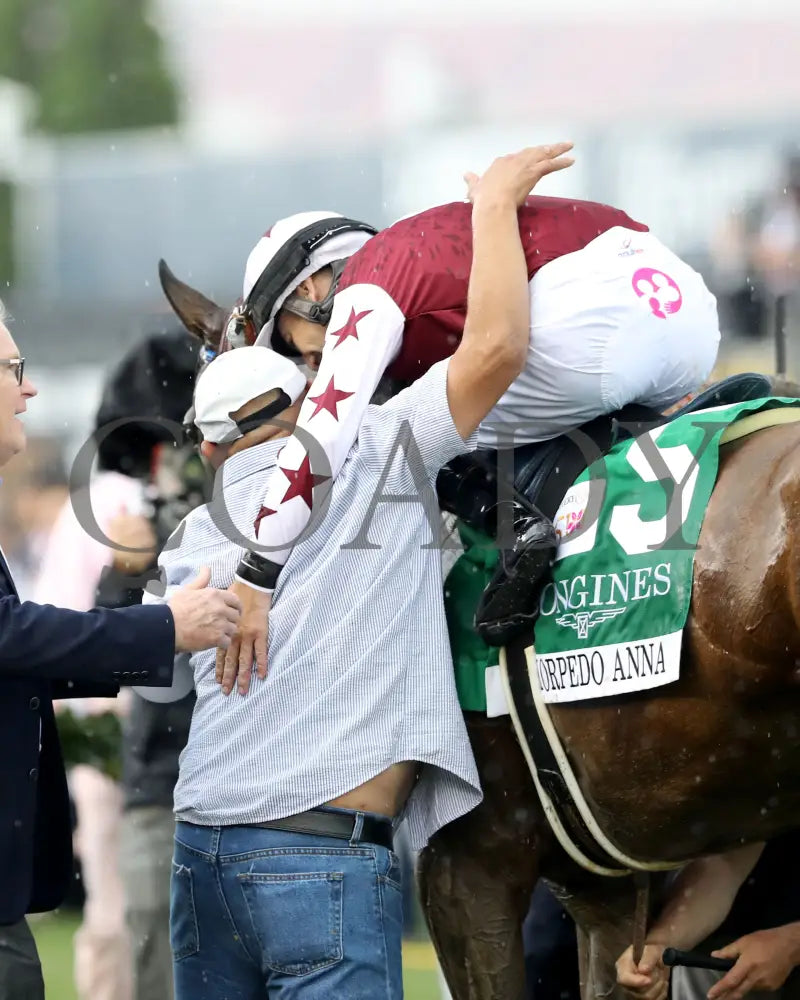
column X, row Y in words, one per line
column 494, row 345
column 364, row 335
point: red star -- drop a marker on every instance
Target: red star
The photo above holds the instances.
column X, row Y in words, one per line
column 329, row 400
column 263, row 512
column 301, row 482
column 350, row 327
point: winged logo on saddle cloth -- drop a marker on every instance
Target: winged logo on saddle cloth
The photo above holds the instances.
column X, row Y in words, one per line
column 582, row 621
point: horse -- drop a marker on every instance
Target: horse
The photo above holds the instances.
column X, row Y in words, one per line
column 702, row 765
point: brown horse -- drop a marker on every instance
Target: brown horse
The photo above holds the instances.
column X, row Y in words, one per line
column 699, row 766
column 702, row 765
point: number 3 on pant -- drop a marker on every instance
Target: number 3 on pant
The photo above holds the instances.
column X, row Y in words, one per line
column 661, row 291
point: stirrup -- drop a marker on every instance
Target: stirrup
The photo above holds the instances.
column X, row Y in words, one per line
column 510, row 603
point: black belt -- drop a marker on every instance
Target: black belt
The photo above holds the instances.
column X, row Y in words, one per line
column 340, row 825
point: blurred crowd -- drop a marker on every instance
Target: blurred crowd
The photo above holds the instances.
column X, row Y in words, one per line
column 756, row 258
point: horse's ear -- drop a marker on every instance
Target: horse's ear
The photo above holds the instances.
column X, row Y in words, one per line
column 202, row 317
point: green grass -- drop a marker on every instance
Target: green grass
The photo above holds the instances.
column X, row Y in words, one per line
column 54, row 939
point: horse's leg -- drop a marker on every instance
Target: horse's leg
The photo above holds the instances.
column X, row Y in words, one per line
column 605, row 930
column 475, row 922
column 584, row 950
column 603, row 909
column 476, row 875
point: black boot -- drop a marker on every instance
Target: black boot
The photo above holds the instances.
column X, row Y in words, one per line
column 510, row 602
column 467, row 487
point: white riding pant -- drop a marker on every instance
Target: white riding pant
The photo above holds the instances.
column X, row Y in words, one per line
column 622, row 321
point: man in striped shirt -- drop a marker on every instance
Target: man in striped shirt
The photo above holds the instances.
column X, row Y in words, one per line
column 284, row 879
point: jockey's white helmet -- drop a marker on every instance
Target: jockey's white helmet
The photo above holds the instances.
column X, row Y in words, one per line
column 288, row 253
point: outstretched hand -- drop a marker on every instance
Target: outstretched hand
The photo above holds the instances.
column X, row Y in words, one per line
column 513, row 177
column 203, row 616
column 249, row 643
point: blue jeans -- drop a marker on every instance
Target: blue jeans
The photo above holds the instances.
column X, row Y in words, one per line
column 261, row 913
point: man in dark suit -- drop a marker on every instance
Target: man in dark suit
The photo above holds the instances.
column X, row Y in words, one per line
column 47, row 653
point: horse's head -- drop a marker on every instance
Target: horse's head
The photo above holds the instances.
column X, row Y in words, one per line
column 201, row 317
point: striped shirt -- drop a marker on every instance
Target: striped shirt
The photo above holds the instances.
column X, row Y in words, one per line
column 360, row 670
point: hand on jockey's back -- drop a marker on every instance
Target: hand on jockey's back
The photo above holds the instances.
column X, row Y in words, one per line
column 506, row 183
column 513, row 177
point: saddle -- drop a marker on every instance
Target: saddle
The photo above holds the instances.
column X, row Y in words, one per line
column 546, row 470
column 514, row 496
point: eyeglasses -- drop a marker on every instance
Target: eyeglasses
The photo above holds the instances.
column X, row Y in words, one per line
column 17, row 365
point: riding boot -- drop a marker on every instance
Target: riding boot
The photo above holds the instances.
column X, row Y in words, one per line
column 467, row 487
column 510, row 603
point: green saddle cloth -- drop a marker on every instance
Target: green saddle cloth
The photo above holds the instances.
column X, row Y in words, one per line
column 463, row 587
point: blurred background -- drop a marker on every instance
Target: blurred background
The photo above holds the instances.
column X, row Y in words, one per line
column 137, row 129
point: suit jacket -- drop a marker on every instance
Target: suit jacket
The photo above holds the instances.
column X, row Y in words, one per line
column 47, row 653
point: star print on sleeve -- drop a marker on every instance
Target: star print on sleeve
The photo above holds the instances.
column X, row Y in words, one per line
column 350, row 328
column 329, row 400
column 263, row 512
column 301, row 482
column 369, row 318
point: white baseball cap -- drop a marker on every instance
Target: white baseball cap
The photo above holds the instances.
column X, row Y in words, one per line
column 235, row 378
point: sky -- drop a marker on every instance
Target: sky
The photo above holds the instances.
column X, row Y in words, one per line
column 276, row 70
column 430, row 11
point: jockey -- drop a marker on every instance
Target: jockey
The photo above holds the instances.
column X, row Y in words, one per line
column 616, row 318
